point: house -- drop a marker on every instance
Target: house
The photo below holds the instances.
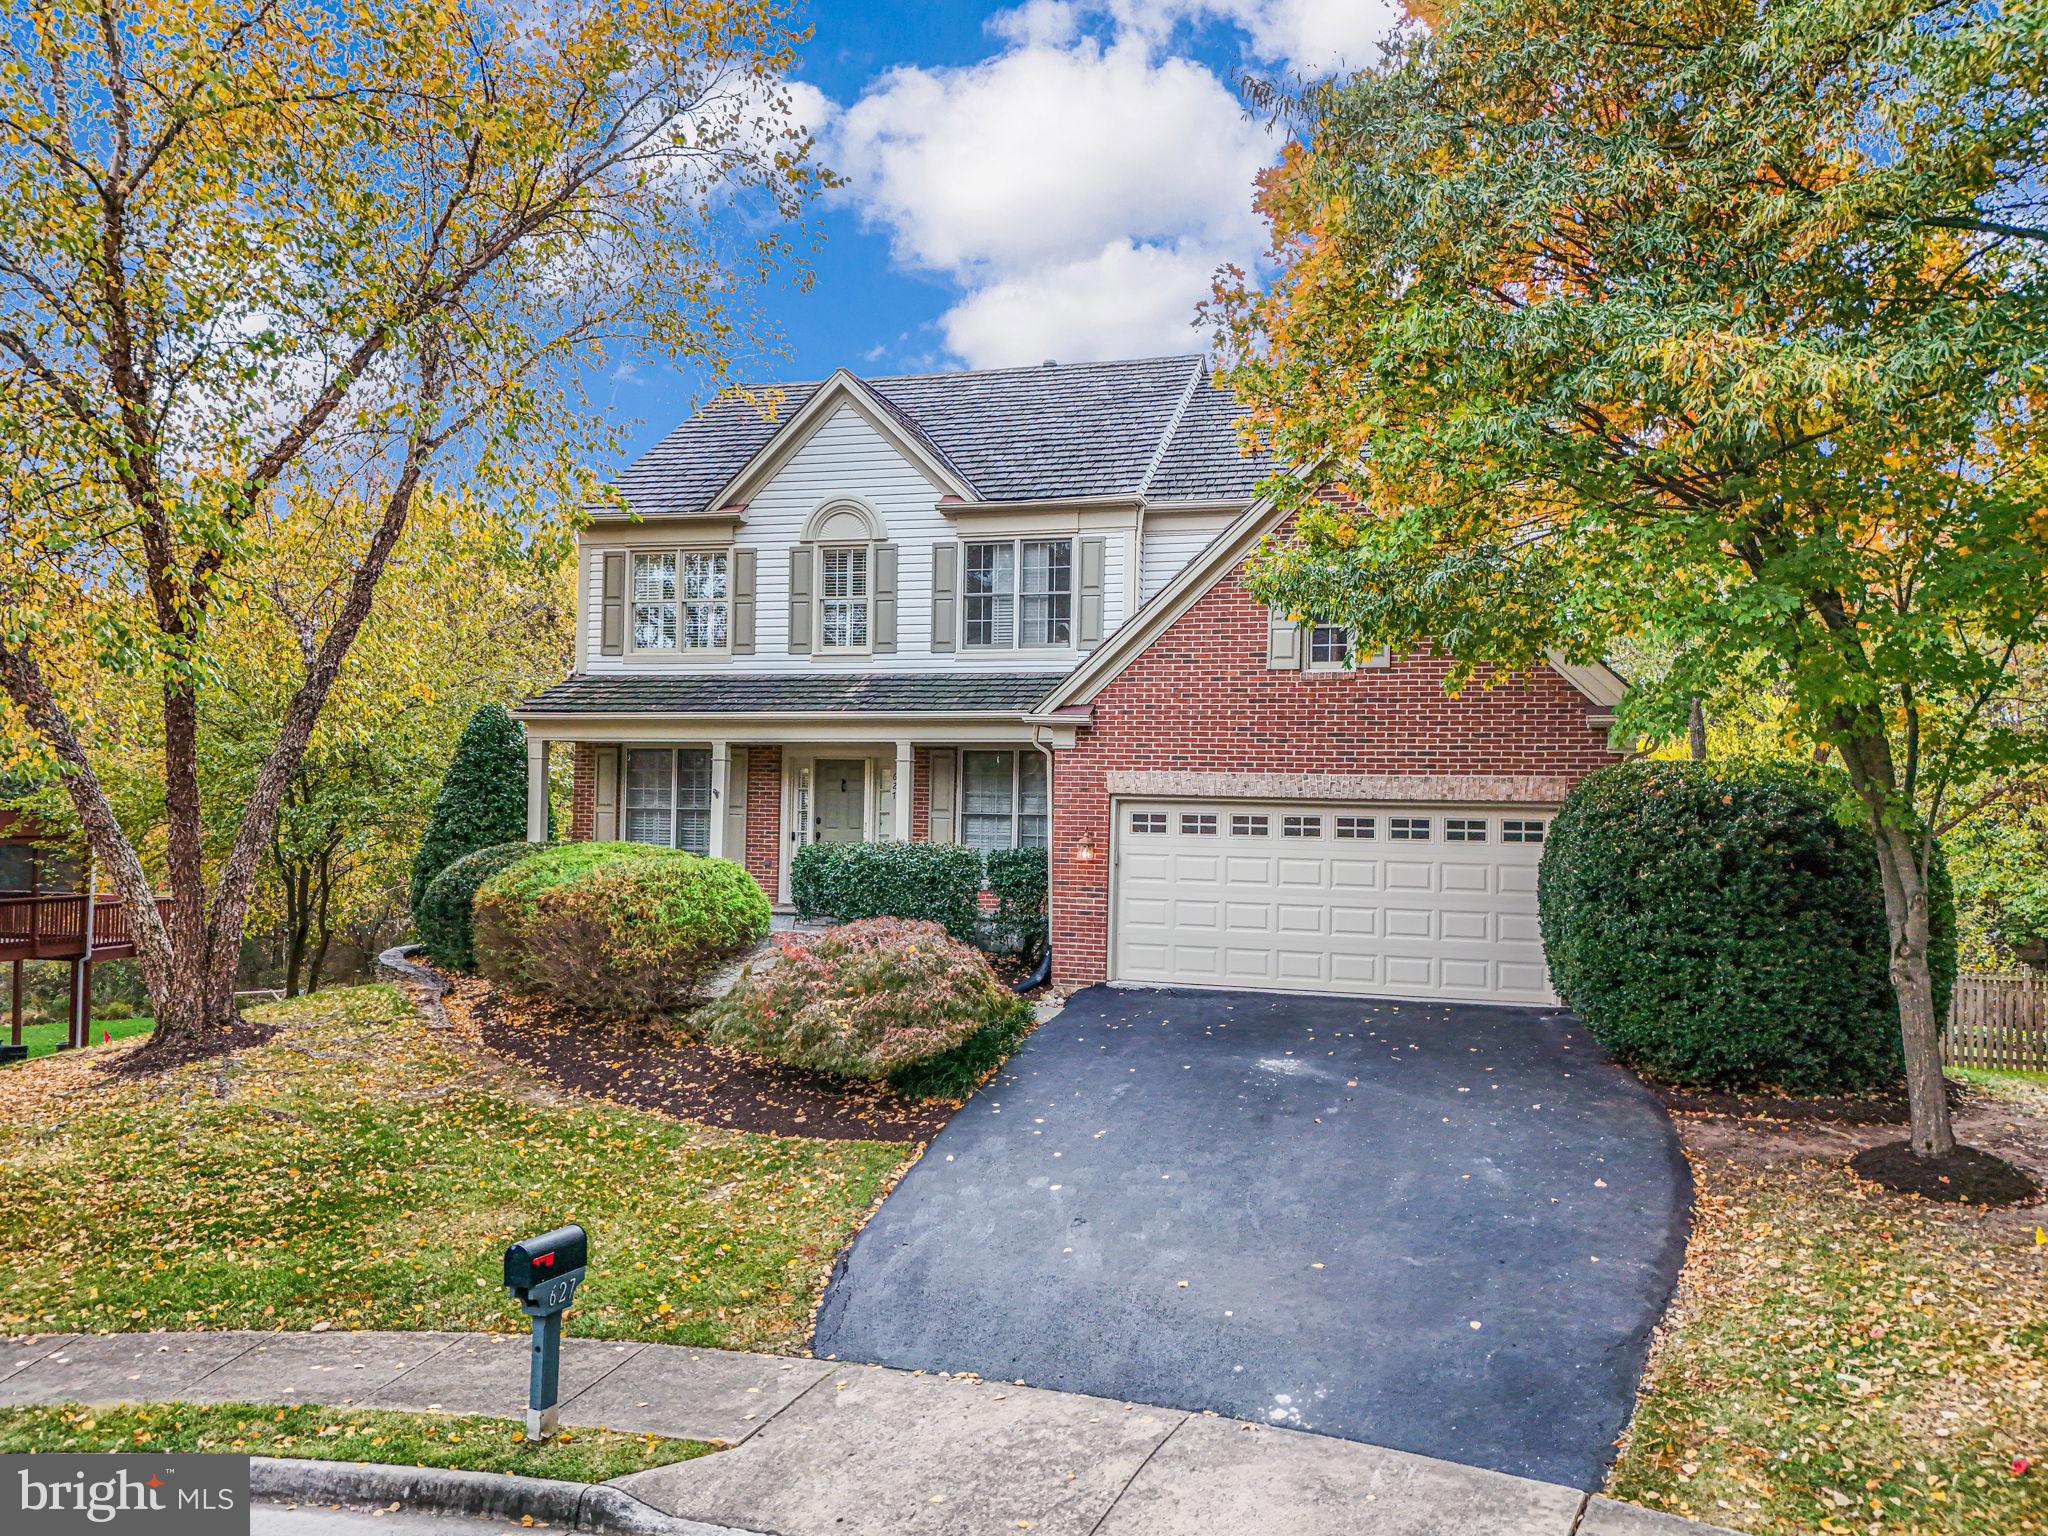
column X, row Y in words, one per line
column 1003, row 608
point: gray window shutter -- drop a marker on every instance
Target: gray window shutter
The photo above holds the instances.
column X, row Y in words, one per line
column 800, row 566
column 1088, row 617
column 612, row 634
column 883, row 631
column 743, row 602
column 945, row 595
column 944, row 763
column 1283, row 641
column 604, row 796
column 736, row 806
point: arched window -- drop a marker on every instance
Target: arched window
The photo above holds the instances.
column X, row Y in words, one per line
column 842, row 584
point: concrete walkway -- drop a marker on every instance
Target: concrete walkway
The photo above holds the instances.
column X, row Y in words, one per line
column 824, row 1449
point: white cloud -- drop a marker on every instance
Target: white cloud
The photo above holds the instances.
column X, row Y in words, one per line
column 1127, row 300
column 1310, row 37
column 1080, row 194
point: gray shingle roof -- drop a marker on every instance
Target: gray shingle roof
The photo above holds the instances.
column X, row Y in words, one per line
column 749, row 693
column 1013, row 434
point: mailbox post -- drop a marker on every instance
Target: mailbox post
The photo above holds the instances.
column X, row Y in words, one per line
column 542, row 1274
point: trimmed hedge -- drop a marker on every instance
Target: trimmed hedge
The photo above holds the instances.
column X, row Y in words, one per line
column 482, row 801
column 1017, row 878
column 615, row 927
column 881, row 1000
column 444, row 914
column 1724, row 926
column 922, row 882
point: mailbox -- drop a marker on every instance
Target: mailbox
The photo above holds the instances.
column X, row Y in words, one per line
column 533, row 1262
column 542, row 1274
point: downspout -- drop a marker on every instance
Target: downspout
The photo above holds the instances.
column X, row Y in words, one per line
column 1042, row 973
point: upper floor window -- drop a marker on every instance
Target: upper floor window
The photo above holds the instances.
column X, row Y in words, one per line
column 1329, row 647
column 681, row 600
column 1018, row 592
column 843, row 617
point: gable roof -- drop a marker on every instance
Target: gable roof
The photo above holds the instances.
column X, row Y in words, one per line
column 1599, row 684
column 1149, row 426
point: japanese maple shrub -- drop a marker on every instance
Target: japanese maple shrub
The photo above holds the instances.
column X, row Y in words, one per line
column 885, row 999
column 1721, row 925
column 624, row 928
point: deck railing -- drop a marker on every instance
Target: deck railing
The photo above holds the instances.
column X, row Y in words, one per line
column 53, row 927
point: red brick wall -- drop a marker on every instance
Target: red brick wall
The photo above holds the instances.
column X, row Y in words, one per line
column 1201, row 698
column 920, row 794
column 764, row 816
column 583, row 802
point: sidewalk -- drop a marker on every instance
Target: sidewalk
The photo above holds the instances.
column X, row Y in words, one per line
column 823, row 1449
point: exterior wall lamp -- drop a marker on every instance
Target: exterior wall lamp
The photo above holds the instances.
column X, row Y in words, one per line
column 1084, row 850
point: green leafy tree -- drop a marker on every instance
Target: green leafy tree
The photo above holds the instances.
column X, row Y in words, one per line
column 1717, row 330
column 482, row 802
column 272, row 263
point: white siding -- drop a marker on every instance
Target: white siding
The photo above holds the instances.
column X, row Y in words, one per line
column 846, row 457
column 1172, row 539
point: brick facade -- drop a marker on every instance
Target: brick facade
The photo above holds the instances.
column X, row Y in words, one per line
column 1200, row 700
column 764, row 816
column 583, row 802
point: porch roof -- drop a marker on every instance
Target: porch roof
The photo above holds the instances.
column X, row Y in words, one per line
column 828, row 693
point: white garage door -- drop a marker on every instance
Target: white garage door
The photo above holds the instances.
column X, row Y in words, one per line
column 1424, row 901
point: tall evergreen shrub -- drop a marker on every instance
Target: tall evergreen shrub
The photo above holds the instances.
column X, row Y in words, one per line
column 483, row 797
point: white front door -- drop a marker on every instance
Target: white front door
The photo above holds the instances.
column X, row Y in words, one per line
column 1424, row 901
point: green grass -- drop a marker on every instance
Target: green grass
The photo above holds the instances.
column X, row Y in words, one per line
column 46, row 1039
column 362, row 1171
column 1842, row 1361
column 2000, row 1080
column 341, row 1434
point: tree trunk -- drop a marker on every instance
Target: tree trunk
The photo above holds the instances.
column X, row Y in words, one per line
column 1696, row 731
column 1907, row 916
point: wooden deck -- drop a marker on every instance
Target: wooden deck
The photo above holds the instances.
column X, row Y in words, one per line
column 54, row 928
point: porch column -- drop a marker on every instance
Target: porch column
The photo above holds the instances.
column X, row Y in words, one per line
column 536, row 789
column 721, row 774
column 906, row 788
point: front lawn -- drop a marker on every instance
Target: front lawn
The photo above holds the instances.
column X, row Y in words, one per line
column 360, row 1171
column 1843, row 1360
column 337, row 1434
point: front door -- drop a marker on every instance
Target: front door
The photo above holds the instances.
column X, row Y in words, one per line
column 841, row 801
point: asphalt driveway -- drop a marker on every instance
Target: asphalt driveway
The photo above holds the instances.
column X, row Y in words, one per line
column 1443, row 1228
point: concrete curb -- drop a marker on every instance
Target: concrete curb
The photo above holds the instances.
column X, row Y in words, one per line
column 595, row 1507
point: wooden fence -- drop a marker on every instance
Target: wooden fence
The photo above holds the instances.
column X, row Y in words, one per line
column 1998, row 1021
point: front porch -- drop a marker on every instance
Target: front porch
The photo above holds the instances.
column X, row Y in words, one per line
column 758, row 798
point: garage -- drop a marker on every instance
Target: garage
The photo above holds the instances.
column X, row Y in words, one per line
column 1419, row 900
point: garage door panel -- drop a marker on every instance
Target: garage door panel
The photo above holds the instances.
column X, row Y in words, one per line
column 1330, row 910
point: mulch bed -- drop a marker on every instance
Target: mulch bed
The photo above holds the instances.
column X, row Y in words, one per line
column 1966, row 1176
column 151, row 1057
column 1835, row 1109
column 692, row 1081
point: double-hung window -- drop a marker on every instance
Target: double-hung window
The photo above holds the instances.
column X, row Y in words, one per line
column 668, row 797
column 681, row 600
column 1003, row 800
column 843, row 618
column 1018, row 592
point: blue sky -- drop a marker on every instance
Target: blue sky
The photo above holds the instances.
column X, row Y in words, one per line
column 1053, row 178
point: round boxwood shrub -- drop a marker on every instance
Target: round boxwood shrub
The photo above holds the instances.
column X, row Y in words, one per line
column 623, row 928
column 925, row 882
column 881, row 999
column 443, row 915
column 1723, row 926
